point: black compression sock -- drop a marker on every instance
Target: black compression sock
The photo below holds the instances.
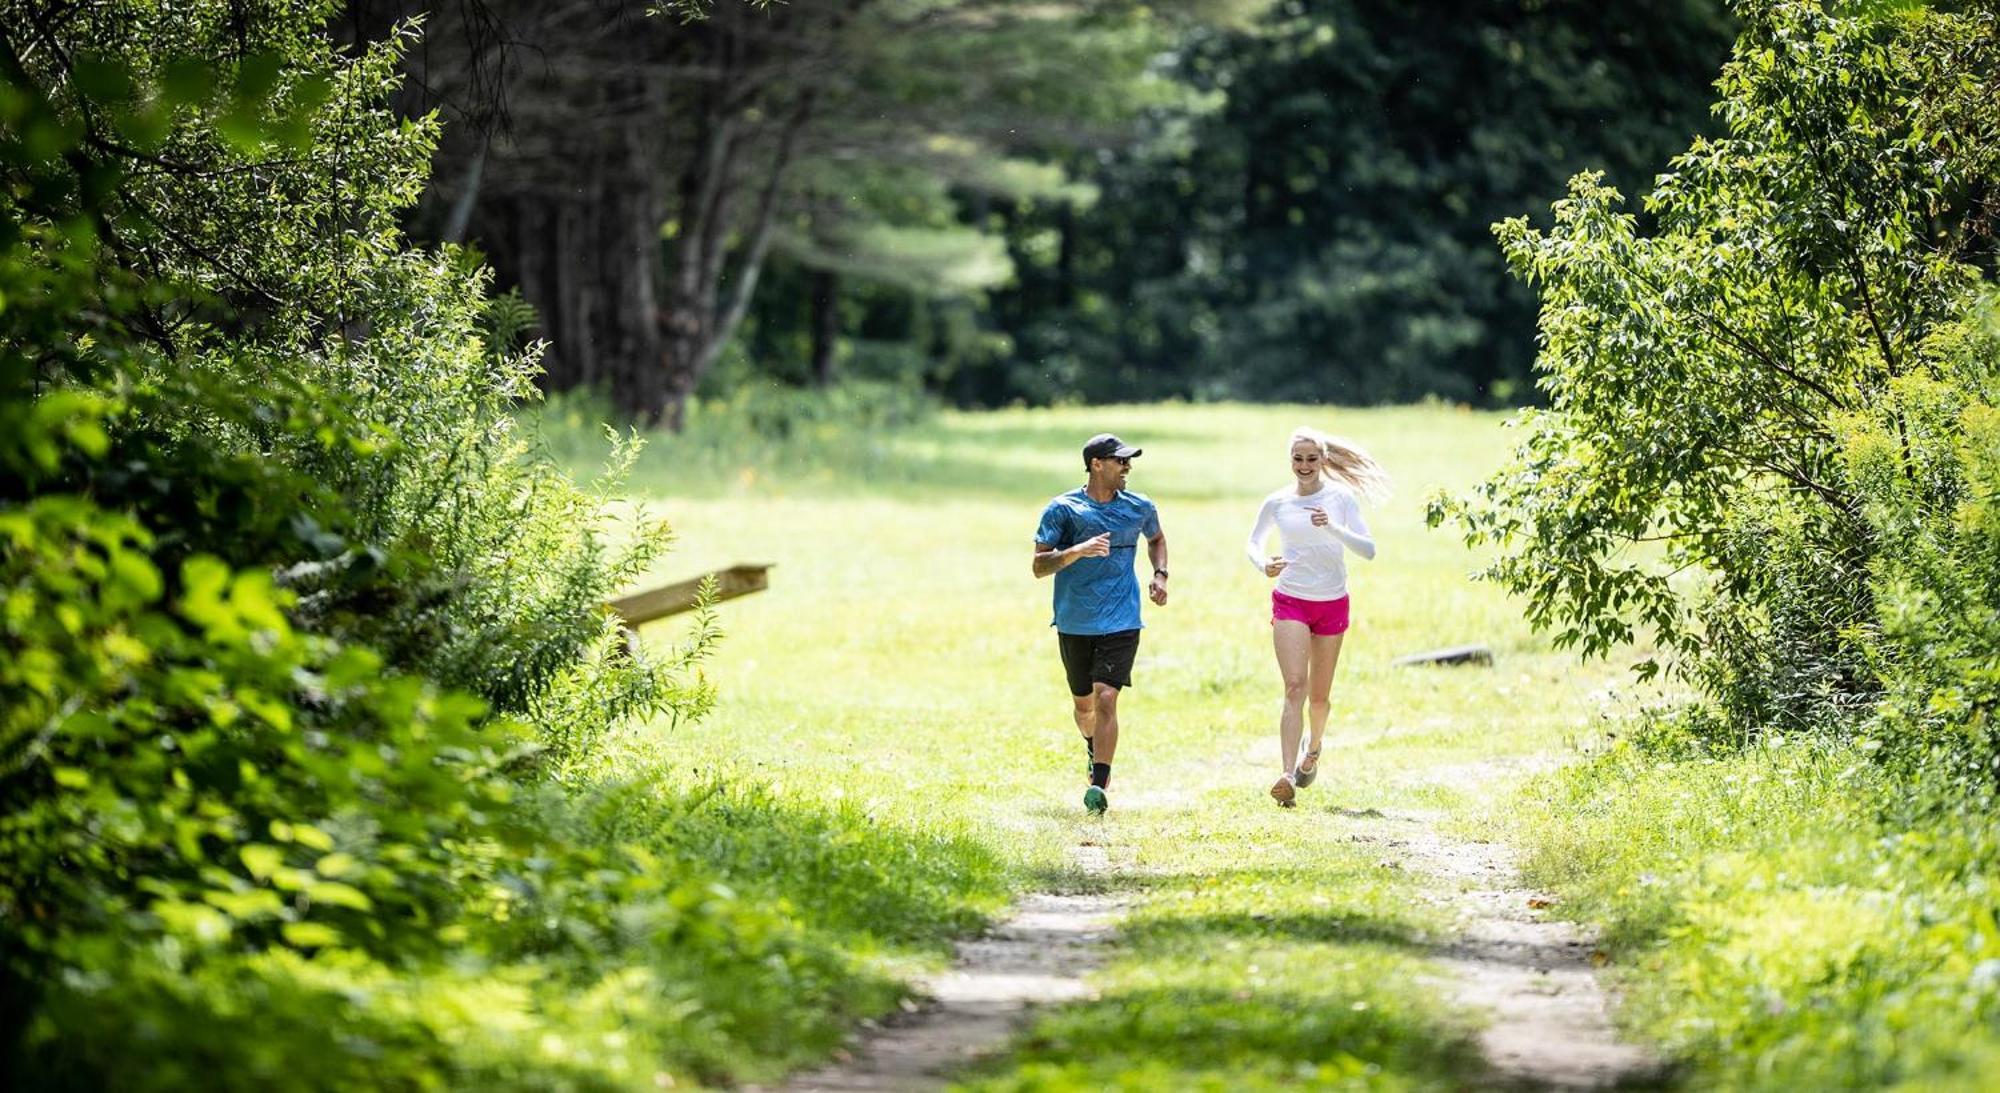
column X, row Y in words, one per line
column 1090, row 748
column 1100, row 774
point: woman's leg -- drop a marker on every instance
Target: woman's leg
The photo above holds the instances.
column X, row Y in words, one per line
column 1293, row 643
column 1325, row 658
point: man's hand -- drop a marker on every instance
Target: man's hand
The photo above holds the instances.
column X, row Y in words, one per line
column 1158, row 589
column 1275, row 566
column 1097, row 546
column 1048, row 559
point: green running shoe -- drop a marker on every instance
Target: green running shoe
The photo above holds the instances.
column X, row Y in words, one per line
column 1094, row 800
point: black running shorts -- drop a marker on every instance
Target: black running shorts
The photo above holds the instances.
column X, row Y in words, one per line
column 1098, row 658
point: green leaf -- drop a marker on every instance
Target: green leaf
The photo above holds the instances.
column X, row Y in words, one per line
column 312, row 837
column 186, row 81
column 310, row 935
column 337, row 864
column 262, row 859
column 102, row 80
column 337, row 894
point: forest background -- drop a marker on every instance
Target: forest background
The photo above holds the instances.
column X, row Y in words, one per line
column 1000, row 203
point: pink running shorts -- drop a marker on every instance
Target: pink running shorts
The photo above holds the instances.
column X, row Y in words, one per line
column 1323, row 617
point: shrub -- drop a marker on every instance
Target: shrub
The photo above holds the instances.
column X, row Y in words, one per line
column 1713, row 385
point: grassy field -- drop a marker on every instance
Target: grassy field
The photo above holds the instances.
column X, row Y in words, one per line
column 898, row 688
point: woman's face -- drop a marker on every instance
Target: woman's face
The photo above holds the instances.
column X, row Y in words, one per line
column 1306, row 457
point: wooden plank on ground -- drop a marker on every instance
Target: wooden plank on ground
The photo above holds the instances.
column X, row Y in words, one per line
column 1456, row 654
column 672, row 599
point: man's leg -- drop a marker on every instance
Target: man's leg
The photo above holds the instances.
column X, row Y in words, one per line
column 1110, row 669
column 1077, row 652
column 1104, row 707
column 1104, row 704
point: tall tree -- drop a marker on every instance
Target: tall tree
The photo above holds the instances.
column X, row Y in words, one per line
column 645, row 167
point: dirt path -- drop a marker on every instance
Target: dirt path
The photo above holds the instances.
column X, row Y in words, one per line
column 1549, row 1025
column 1534, row 976
column 1037, row 956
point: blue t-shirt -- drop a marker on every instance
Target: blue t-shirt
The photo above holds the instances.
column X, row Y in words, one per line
column 1098, row 595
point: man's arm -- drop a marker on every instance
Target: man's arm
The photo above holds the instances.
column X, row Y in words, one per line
column 1156, row 550
column 1048, row 559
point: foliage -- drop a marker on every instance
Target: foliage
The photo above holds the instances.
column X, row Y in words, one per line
column 1770, row 447
column 263, row 518
column 1807, row 275
column 252, row 174
column 1932, row 492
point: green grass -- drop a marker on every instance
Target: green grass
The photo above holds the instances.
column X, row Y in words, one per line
column 898, row 684
column 1776, row 926
column 892, row 759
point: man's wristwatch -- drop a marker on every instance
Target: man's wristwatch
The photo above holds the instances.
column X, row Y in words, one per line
column 1157, row 572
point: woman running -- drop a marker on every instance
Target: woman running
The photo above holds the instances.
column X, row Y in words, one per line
column 1318, row 519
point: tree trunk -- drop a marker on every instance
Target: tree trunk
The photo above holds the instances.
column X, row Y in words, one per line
column 825, row 324
column 696, row 324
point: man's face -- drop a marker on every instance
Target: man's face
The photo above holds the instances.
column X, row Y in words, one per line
column 1112, row 470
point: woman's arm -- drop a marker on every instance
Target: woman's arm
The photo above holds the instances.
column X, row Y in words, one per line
column 1253, row 547
column 1349, row 528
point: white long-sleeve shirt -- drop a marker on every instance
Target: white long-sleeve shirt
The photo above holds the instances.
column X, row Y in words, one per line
column 1315, row 568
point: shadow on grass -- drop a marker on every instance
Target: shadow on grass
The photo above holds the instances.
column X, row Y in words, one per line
column 848, row 466
column 986, row 464
column 1209, row 928
column 1188, row 1036
column 831, row 868
column 1236, row 984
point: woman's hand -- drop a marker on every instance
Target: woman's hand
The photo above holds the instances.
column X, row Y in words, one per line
column 1320, row 518
column 1275, row 566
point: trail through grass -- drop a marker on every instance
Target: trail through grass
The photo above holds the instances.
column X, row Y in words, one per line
column 901, row 671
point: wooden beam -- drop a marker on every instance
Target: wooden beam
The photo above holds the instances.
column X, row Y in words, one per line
column 1457, row 654
column 672, row 599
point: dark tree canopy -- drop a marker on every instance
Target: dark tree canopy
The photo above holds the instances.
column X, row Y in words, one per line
column 1322, row 231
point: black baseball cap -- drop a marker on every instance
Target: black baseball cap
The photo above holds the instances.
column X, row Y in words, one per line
column 1106, row 446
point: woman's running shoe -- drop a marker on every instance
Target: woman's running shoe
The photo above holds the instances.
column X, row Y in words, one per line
column 1283, row 791
column 1308, row 769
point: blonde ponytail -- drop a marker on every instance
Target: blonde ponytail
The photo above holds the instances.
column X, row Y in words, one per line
column 1347, row 462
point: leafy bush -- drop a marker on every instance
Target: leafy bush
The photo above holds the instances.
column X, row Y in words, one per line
column 1710, row 383
column 248, row 174
column 1926, row 463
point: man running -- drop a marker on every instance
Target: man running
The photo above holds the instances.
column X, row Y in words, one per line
column 1089, row 539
